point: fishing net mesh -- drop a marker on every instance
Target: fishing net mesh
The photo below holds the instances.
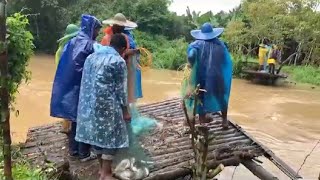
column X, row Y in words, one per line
column 188, row 85
column 139, row 125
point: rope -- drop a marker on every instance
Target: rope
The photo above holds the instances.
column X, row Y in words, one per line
column 305, row 159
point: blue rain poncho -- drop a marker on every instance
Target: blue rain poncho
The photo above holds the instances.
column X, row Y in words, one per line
column 212, row 69
column 66, row 85
column 138, row 86
column 102, row 96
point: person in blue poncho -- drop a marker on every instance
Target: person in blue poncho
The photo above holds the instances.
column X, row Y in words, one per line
column 132, row 44
column 212, row 67
column 66, row 85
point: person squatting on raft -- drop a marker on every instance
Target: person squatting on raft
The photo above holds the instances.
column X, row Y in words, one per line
column 119, row 23
column 72, row 31
column 103, row 98
column 66, row 85
column 212, row 67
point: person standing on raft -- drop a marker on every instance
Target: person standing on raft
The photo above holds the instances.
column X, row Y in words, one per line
column 211, row 65
column 119, row 23
column 72, row 31
column 133, row 45
column 66, row 85
column 103, row 98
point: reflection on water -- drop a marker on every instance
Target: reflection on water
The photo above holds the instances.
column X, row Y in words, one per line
column 284, row 119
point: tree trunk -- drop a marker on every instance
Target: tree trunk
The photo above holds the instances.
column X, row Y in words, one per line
column 4, row 96
column 298, row 54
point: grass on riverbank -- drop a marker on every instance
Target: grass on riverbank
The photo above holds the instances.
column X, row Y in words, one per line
column 303, row 74
column 21, row 168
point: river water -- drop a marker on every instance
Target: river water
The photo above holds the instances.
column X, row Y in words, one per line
column 285, row 119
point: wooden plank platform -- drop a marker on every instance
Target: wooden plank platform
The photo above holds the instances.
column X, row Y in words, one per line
column 260, row 74
column 169, row 147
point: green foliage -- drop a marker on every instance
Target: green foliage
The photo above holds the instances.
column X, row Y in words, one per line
column 48, row 19
column 237, row 66
column 171, row 55
column 20, row 49
column 304, row 74
column 166, row 54
column 283, row 22
column 52, row 16
column 21, row 168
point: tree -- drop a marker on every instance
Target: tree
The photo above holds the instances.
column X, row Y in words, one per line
column 4, row 97
column 17, row 42
column 235, row 35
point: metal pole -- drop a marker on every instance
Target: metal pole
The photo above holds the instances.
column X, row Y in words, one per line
column 4, row 94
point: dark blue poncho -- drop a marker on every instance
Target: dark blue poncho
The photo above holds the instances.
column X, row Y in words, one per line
column 66, row 85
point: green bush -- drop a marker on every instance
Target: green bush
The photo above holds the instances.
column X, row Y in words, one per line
column 171, row 55
column 167, row 54
column 237, row 66
column 20, row 49
column 21, row 169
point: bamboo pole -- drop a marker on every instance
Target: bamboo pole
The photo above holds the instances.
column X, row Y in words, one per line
column 5, row 113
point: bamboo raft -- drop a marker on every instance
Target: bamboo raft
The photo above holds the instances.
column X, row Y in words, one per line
column 265, row 74
column 169, row 147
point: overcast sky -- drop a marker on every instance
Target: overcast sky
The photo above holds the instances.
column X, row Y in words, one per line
column 204, row 6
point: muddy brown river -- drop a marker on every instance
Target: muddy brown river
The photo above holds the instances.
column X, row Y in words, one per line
column 285, row 119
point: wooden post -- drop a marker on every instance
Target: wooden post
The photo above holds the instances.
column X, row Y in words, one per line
column 4, row 94
column 200, row 139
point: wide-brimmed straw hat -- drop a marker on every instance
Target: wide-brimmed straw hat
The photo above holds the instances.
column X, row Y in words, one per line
column 120, row 20
column 207, row 32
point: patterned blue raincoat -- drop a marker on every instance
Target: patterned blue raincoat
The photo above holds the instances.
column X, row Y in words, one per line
column 66, row 85
column 212, row 69
column 102, row 97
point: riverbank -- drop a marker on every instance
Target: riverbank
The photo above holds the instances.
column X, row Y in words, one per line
column 303, row 74
column 21, row 168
